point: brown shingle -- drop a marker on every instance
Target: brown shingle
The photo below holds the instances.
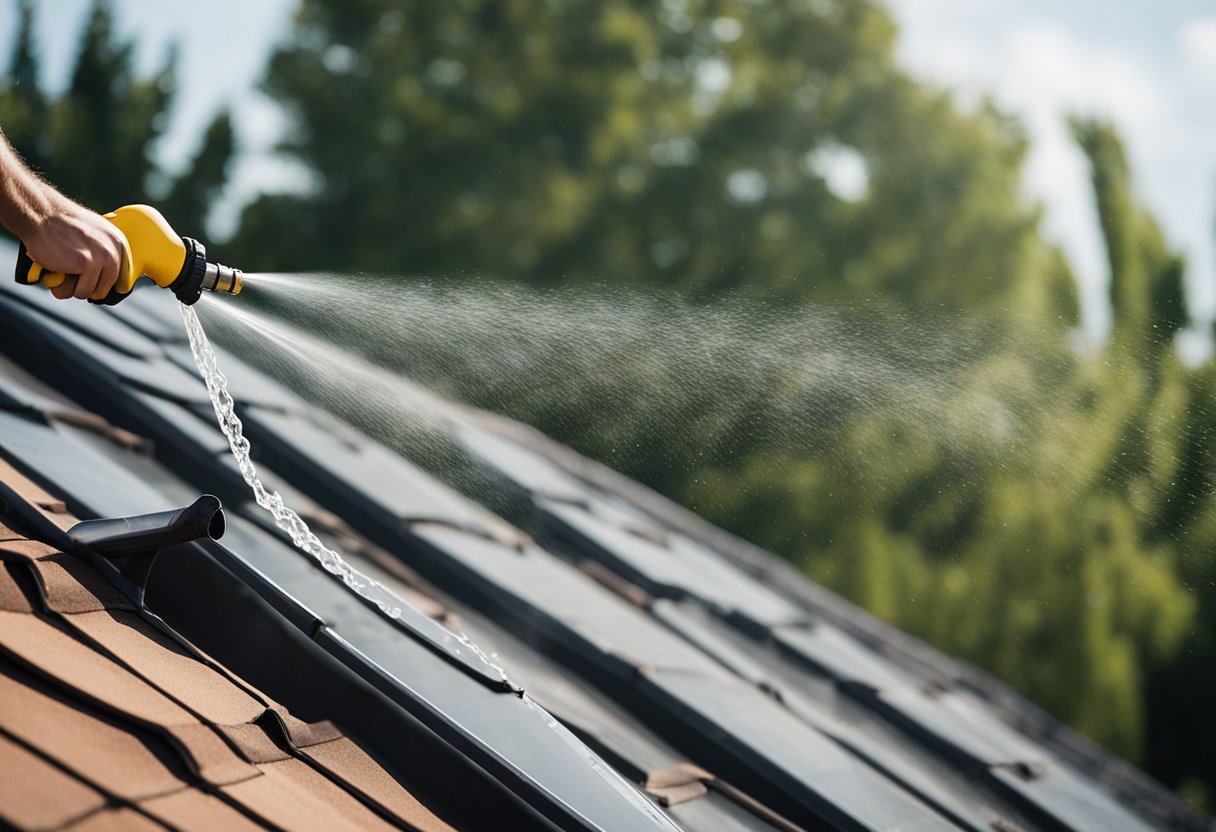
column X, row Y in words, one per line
column 52, row 651
column 69, row 585
column 162, row 662
column 301, row 733
column 109, row 722
column 254, row 744
column 35, row 794
column 22, row 549
column 296, row 797
column 17, row 590
column 193, row 809
column 115, row 820
column 49, row 506
column 208, row 756
column 107, row 755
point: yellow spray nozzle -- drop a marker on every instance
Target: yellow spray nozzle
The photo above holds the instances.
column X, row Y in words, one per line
column 152, row 249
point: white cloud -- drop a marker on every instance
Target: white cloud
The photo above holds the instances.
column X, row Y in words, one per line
column 1198, row 40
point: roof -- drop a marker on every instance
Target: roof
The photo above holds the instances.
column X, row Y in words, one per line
column 110, row 719
column 661, row 674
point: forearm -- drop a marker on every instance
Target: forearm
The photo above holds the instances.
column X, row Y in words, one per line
column 25, row 200
column 59, row 235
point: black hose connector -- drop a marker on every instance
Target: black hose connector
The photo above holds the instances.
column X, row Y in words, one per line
column 121, row 537
column 189, row 283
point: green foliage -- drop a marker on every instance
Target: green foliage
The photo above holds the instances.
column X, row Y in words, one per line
column 1021, row 556
column 1045, row 516
column 95, row 141
column 670, row 144
column 22, row 104
column 1146, row 278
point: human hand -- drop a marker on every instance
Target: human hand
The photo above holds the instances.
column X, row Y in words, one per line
column 83, row 245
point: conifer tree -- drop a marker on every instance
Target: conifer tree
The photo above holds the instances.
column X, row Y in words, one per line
column 23, row 111
column 96, row 142
column 193, row 194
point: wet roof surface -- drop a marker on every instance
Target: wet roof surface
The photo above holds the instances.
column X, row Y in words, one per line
column 655, row 680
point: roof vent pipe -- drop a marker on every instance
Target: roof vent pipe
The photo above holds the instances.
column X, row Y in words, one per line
column 120, row 537
column 125, row 548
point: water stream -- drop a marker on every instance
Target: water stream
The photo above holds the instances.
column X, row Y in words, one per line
column 284, row 517
column 364, row 586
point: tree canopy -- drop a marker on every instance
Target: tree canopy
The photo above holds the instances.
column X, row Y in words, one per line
column 682, row 144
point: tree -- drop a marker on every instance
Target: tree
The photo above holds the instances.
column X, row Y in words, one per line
column 96, row 141
column 23, row 110
column 646, row 143
column 1146, row 279
column 192, row 195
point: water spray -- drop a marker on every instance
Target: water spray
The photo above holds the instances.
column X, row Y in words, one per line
column 152, row 249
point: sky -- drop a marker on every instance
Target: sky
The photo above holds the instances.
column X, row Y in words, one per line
column 1148, row 65
column 223, row 48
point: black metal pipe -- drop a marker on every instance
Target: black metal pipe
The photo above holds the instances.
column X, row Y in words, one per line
column 118, row 537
